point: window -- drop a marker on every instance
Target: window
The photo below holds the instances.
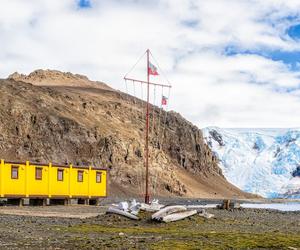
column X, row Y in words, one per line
column 60, row 174
column 38, row 173
column 80, row 176
column 14, row 172
column 98, row 177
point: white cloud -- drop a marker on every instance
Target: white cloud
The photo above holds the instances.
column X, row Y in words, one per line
column 210, row 87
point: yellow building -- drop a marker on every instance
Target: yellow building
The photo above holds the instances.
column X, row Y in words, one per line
column 36, row 180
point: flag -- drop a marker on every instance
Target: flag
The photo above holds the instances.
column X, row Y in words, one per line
column 164, row 100
column 152, row 70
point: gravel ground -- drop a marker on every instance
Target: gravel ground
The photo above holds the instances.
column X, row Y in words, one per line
column 236, row 229
column 78, row 211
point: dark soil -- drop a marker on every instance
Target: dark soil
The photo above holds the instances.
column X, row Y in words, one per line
column 236, row 229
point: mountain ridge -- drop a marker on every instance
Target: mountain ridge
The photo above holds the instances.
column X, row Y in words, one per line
column 48, row 77
column 71, row 122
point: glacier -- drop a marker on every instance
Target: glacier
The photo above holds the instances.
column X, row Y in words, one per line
column 261, row 161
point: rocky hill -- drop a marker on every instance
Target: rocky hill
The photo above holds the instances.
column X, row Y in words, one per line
column 66, row 118
column 57, row 78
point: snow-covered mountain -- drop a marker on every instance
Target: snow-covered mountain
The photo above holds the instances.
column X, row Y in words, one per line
column 261, row 161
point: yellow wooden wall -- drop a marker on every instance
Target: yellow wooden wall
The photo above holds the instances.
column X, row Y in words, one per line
column 59, row 188
column 49, row 186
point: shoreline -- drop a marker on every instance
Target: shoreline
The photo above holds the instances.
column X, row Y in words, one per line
column 200, row 201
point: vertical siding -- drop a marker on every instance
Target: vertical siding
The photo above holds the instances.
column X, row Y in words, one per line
column 98, row 189
column 59, row 188
column 79, row 188
column 11, row 186
column 37, row 187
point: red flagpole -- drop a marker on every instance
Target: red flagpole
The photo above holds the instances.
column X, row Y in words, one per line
column 146, row 151
column 147, row 197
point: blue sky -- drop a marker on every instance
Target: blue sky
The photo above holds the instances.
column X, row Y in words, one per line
column 294, row 31
column 84, row 4
column 290, row 58
column 232, row 63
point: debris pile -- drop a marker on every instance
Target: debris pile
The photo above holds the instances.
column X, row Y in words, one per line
column 205, row 214
column 115, row 210
column 228, row 204
column 173, row 213
column 161, row 213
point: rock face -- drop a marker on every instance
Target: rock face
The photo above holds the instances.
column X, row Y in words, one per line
column 184, row 143
column 217, row 137
column 296, row 172
column 74, row 120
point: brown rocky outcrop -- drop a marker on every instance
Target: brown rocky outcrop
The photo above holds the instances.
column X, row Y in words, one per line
column 74, row 120
column 57, row 78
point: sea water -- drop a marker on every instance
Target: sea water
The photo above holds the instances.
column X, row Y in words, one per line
column 288, row 206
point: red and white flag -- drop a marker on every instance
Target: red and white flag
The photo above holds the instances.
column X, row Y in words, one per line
column 152, row 70
column 164, row 100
